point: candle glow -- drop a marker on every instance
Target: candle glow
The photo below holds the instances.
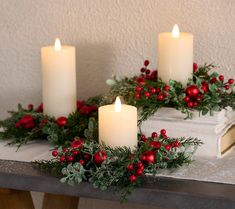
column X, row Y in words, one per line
column 175, row 31
column 118, row 105
column 57, row 44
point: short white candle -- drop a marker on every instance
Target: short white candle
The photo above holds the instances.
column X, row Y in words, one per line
column 175, row 56
column 118, row 125
column 58, row 79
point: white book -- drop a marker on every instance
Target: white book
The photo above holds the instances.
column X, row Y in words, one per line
column 217, row 132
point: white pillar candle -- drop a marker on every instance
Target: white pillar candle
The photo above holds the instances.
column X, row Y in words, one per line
column 58, row 79
column 175, row 56
column 118, row 125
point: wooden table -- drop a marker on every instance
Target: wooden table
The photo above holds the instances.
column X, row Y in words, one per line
column 159, row 191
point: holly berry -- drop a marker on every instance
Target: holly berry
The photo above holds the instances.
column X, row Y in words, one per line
column 130, row 167
column 30, row 107
column 54, row 153
column 143, row 138
column 186, row 99
column 82, row 162
column 138, row 89
column 75, row 152
column 61, row 121
column 77, row 143
column 86, row 157
column 155, row 144
column 195, row 104
column 163, row 132
column 147, row 71
column 195, row 67
column 142, row 70
column 160, row 97
column 132, row 178
column 65, row 150
column 167, row 88
column 221, row 78
column 231, row 81
column 143, row 158
column 199, row 98
column 141, row 81
column 158, row 90
column 80, row 104
column 154, row 135
column 62, row 159
column 146, row 63
column 226, row 87
column 176, row 143
column 69, row 158
column 99, row 157
column 192, row 91
column 140, row 165
column 40, row 108
column 190, row 104
column 137, row 96
column 213, row 80
column 17, row 125
column 139, row 172
column 150, row 157
column 167, row 147
column 205, row 88
column 153, row 90
column 147, row 94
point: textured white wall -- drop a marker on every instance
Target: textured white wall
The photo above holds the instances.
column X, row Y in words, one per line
column 111, row 37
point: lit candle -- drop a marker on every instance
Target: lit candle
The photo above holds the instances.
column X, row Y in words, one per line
column 58, row 79
column 175, row 56
column 118, row 125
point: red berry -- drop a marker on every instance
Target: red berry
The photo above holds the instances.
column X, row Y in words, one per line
column 221, row 78
column 205, row 88
column 75, row 152
column 132, row 178
column 143, row 138
column 158, row 90
column 186, row 99
column 146, row 63
column 195, row 67
column 65, row 150
column 195, row 104
column 155, row 144
column 147, row 94
column 176, row 143
column 99, row 157
column 137, row 96
column 86, row 157
column 153, row 90
column 231, row 81
column 213, row 80
column 39, row 108
column 190, row 104
column 142, row 70
column 82, row 162
column 147, row 73
column 192, row 91
column 154, row 135
column 199, row 98
column 226, row 87
column 138, row 89
column 69, row 158
column 77, row 143
column 167, row 88
column 141, row 81
column 62, row 159
column 30, row 107
column 139, row 172
column 54, row 153
column 130, row 167
column 168, row 147
column 61, row 121
column 80, row 104
column 160, row 97
column 163, row 132
column 140, row 165
column 143, row 158
column 17, row 125
column 150, row 157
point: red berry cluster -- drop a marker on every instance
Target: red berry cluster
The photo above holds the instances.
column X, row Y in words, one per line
column 76, row 153
column 27, row 122
column 84, row 109
column 39, row 109
column 157, row 143
column 147, row 73
column 194, row 96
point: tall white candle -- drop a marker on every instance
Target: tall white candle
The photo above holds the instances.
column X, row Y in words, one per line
column 118, row 125
column 175, row 56
column 58, row 79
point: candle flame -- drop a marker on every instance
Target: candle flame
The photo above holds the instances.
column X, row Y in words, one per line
column 57, row 44
column 118, row 105
column 175, row 31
